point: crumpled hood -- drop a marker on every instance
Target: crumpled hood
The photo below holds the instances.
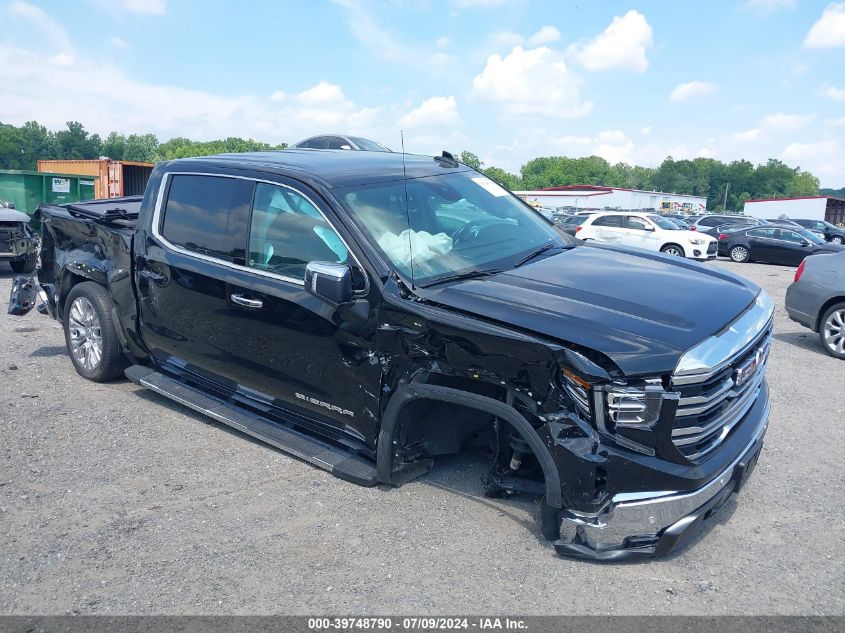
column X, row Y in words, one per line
column 642, row 310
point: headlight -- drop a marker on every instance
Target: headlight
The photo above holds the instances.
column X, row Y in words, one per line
column 696, row 240
column 636, row 406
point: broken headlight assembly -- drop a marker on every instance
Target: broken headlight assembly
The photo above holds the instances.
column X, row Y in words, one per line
column 618, row 406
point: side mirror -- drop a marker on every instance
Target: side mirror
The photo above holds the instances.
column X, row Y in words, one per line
column 330, row 282
column 345, row 146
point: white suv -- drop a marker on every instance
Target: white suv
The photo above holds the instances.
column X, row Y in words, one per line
column 649, row 231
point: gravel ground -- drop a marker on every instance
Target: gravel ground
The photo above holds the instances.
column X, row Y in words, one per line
column 115, row 500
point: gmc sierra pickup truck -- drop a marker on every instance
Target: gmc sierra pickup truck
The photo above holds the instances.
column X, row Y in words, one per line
column 367, row 312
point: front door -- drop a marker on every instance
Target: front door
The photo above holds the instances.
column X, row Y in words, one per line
column 793, row 248
column 223, row 301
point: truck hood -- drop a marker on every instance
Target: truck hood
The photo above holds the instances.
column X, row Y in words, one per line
column 641, row 310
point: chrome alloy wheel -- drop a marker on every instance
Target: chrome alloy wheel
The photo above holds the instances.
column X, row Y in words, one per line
column 739, row 253
column 86, row 340
column 674, row 251
column 834, row 331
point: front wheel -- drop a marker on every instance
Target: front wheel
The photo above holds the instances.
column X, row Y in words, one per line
column 673, row 249
column 739, row 254
column 832, row 331
column 837, row 239
column 90, row 333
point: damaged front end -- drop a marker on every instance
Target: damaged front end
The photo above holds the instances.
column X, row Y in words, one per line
column 27, row 294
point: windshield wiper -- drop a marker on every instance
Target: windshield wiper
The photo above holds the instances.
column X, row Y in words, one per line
column 540, row 251
column 472, row 274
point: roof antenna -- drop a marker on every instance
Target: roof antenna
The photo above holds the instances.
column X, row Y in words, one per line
column 407, row 209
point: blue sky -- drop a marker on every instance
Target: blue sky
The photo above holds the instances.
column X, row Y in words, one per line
column 507, row 79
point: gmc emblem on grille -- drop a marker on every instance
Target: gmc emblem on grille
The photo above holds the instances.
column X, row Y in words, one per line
column 745, row 371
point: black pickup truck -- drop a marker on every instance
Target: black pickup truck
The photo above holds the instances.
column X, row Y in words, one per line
column 367, row 312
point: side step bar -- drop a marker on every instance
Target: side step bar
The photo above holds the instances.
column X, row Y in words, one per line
column 339, row 462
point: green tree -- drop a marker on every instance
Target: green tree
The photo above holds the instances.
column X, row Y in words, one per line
column 114, row 146
column 804, row 184
column 470, row 160
column 504, row 178
column 141, row 148
column 76, row 143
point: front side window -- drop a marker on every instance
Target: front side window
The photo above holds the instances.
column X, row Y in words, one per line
column 791, row 236
column 208, row 215
column 455, row 223
column 287, row 231
column 637, row 223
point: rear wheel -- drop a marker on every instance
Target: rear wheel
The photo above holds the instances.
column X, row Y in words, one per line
column 739, row 254
column 832, row 331
column 837, row 239
column 90, row 333
column 673, row 249
column 24, row 265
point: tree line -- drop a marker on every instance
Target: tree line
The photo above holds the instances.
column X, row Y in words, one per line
column 22, row 146
column 740, row 179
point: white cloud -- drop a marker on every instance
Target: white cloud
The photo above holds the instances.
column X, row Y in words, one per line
column 782, row 121
column 622, row 45
column 433, row 111
column 773, row 124
column 443, row 42
column 54, row 32
column 829, row 30
column 836, row 122
column 766, row 7
column 546, row 35
column 506, row 39
column 532, row 82
column 279, row 95
column 612, row 145
column 118, row 42
column 322, row 93
column 834, row 93
column 691, row 89
column 151, row 7
column 822, row 158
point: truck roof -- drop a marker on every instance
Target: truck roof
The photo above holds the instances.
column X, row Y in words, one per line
column 334, row 168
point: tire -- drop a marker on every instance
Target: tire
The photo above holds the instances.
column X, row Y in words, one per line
column 739, row 254
column 90, row 333
column 832, row 331
column 837, row 239
column 674, row 250
column 24, row 265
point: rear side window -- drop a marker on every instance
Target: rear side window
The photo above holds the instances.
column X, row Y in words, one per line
column 713, row 221
column 208, row 215
column 608, row 220
column 767, row 233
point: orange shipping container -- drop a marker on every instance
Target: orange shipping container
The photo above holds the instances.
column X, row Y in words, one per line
column 115, row 177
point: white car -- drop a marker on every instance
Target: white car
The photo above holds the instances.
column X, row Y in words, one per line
column 649, row 231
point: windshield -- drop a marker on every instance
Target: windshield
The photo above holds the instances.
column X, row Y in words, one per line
column 811, row 237
column 451, row 224
column 664, row 223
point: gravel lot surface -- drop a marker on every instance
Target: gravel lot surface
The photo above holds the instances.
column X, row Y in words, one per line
column 115, row 500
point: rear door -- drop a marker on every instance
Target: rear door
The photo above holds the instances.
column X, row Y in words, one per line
column 608, row 228
column 763, row 243
column 223, row 301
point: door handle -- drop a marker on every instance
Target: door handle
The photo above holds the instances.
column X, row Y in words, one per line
column 246, row 302
column 152, row 275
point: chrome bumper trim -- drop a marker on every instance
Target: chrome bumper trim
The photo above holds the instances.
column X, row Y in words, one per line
column 639, row 513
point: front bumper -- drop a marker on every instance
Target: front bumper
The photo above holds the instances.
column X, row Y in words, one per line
column 646, row 524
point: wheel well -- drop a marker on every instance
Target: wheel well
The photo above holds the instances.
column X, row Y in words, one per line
column 69, row 280
column 439, row 420
column 827, row 306
column 665, row 246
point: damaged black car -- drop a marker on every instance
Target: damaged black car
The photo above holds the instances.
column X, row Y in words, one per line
column 18, row 242
column 368, row 312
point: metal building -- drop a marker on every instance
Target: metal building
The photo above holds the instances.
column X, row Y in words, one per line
column 594, row 197
column 803, row 208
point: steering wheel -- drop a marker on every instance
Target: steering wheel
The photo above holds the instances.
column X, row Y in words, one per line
column 467, row 232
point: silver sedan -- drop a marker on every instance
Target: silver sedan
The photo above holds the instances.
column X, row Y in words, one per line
column 816, row 299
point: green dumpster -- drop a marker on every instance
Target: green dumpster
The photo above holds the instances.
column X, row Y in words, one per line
column 27, row 189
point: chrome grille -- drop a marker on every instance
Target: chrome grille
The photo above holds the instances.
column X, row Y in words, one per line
column 712, row 403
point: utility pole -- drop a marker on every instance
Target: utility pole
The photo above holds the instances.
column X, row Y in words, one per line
column 725, row 203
